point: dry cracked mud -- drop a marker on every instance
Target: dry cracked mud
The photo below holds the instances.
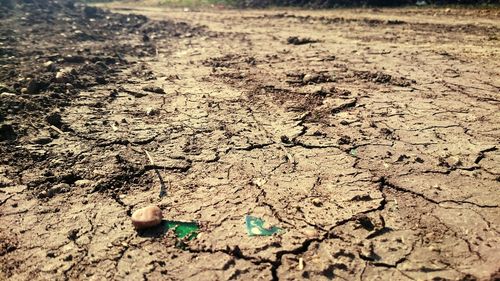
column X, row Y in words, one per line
column 375, row 147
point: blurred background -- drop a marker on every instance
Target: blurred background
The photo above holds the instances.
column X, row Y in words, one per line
column 311, row 3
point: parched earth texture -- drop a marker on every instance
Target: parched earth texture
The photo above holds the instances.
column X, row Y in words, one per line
column 374, row 145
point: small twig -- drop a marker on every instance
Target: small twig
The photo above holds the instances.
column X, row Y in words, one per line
column 135, row 94
column 150, row 158
column 291, row 160
column 163, row 190
column 56, row 129
column 163, row 102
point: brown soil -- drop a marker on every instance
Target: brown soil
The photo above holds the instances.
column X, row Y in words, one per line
column 369, row 136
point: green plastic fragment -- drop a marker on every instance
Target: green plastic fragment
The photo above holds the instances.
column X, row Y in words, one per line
column 354, row 152
column 188, row 230
column 255, row 227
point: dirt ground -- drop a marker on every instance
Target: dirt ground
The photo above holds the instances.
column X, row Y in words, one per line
column 371, row 139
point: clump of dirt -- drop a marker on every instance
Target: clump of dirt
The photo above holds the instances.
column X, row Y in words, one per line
column 224, row 61
column 7, row 244
column 295, row 40
column 300, row 78
column 383, row 78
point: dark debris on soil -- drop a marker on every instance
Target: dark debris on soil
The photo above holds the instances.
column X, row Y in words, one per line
column 294, row 40
column 46, row 57
column 51, row 51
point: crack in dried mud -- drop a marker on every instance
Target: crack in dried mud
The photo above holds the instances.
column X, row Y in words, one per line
column 369, row 150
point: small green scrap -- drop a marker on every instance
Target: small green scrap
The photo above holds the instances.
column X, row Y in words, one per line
column 255, row 227
column 354, row 152
column 183, row 230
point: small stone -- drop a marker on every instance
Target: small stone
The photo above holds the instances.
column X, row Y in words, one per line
column 285, row 139
column 42, row 194
column 73, row 234
column 75, row 58
column 7, row 132
column 41, row 140
column 316, row 202
column 51, row 255
column 153, row 89
column 101, row 80
column 58, row 188
column 33, row 87
column 309, row 78
column 50, row 66
column 83, row 183
column 454, row 161
column 65, row 75
column 61, row 76
column 147, row 217
column 151, row 111
column 7, row 94
column 344, row 140
column 310, row 232
column 54, row 118
column 5, row 88
column 301, row 264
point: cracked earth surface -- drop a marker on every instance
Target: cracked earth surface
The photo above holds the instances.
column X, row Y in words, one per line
column 375, row 149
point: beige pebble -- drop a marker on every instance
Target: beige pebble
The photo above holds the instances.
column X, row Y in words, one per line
column 151, row 111
column 6, row 94
column 83, row 183
column 64, row 75
column 147, row 217
column 308, row 78
column 50, row 66
column 60, row 76
column 316, row 202
column 310, row 232
column 301, row 264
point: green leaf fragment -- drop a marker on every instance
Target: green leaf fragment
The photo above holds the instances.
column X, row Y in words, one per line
column 255, row 227
column 188, row 230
